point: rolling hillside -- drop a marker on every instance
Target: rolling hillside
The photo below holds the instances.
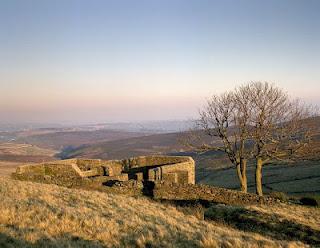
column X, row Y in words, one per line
column 36, row 215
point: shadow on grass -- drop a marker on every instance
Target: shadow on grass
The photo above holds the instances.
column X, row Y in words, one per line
column 267, row 225
column 189, row 207
column 67, row 240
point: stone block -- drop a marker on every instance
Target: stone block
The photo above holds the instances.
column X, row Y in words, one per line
column 170, row 177
column 139, row 176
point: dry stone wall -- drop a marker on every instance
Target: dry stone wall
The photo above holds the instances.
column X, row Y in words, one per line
column 208, row 193
column 53, row 173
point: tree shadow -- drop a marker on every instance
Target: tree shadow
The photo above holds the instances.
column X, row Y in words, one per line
column 189, row 207
column 66, row 240
column 273, row 226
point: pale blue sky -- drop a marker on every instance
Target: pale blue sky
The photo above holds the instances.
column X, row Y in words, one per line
column 140, row 60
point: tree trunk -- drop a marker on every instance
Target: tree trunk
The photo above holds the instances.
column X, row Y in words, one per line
column 259, row 176
column 244, row 186
column 241, row 171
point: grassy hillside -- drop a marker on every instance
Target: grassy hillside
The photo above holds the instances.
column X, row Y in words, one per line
column 299, row 178
column 35, row 215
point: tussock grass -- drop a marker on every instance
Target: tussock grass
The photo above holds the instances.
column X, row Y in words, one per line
column 281, row 221
column 308, row 216
column 36, row 215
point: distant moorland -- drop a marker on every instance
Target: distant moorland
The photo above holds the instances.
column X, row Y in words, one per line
column 37, row 145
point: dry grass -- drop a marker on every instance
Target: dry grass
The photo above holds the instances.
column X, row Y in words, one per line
column 308, row 216
column 281, row 221
column 7, row 167
column 50, row 216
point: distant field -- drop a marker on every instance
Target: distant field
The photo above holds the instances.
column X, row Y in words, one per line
column 14, row 152
column 13, row 155
column 25, row 150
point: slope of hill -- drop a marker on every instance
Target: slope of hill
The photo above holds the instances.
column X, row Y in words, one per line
column 58, row 139
column 150, row 144
column 36, row 215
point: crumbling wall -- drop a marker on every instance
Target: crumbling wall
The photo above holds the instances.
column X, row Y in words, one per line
column 53, row 173
column 114, row 167
column 129, row 188
column 181, row 169
column 88, row 164
column 176, row 192
column 77, row 172
column 157, row 168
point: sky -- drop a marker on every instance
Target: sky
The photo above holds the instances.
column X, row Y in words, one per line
column 124, row 60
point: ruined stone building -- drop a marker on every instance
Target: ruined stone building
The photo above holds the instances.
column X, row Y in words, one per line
column 161, row 177
column 79, row 172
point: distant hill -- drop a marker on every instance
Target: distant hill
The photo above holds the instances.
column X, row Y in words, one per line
column 148, row 144
column 122, row 148
column 58, row 139
column 157, row 126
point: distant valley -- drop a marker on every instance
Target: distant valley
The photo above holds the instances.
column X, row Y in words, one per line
column 97, row 141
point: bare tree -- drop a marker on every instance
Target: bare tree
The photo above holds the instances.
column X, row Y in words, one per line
column 221, row 119
column 255, row 121
column 277, row 125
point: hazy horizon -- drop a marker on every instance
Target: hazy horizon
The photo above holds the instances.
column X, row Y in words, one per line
column 128, row 61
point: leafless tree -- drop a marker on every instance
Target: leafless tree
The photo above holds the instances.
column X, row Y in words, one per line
column 255, row 121
column 222, row 127
column 278, row 126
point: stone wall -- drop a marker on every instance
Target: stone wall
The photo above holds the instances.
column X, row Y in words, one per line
column 77, row 172
column 53, row 173
column 156, row 168
column 175, row 192
column 180, row 169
